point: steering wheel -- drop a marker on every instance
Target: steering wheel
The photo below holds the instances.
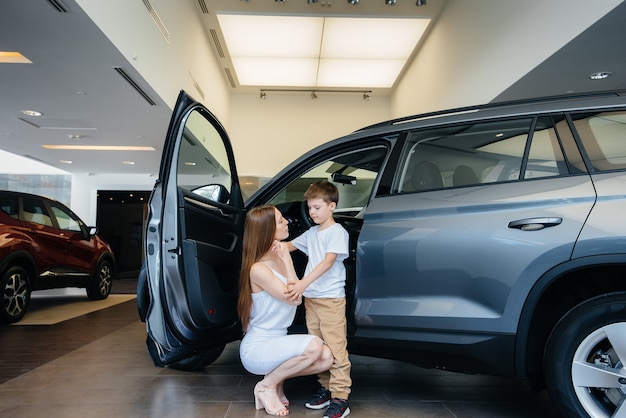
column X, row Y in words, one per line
column 304, row 212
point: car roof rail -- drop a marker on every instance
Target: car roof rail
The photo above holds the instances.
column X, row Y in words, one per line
column 492, row 105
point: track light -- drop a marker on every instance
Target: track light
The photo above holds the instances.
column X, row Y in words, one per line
column 313, row 95
column 353, row 1
column 390, row 2
column 263, row 95
column 279, row 1
column 311, row 1
column 366, row 96
column 420, row 3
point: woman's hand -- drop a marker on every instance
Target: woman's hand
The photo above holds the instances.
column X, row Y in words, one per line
column 281, row 250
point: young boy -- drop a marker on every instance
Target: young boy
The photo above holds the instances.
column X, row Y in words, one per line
column 323, row 286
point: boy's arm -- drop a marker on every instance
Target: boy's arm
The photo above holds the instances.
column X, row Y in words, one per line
column 300, row 286
column 290, row 246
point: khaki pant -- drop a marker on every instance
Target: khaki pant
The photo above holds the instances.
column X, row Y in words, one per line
column 326, row 318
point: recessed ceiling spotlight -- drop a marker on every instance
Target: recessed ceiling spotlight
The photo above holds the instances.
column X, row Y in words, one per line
column 31, row 113
column 65, row 161
column 128, row 162
column 600, row 75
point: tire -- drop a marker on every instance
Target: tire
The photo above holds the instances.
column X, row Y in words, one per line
column 198, row 361
column 15, row 285
column 585, row 359
column 100, row 286
column 143, row 294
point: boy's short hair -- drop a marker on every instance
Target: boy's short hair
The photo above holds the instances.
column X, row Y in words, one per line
column 324, row 190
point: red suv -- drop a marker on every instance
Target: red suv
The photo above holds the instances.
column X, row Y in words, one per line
column 44, row 245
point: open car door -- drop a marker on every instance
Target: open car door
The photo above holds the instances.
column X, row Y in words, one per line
column 187, row 292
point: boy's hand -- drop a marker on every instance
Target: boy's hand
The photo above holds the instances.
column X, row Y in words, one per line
column 295, row 289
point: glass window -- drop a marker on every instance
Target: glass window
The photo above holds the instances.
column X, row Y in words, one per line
column 480, row 153
column 65, row 219
column 604, row 138
column 545, row 158
column 203, row 166
column 10, row 206
column 35, row 211
column 354, row 173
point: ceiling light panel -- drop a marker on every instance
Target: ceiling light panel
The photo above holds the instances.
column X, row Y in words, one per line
column 371, row 38
column 297, row 51
column 271, row 71
column 271, row 36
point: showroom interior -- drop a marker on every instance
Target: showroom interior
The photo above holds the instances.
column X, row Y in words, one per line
column 104, row 77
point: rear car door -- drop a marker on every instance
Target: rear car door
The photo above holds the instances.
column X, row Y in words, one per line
column 193, row 241
column 80, row 249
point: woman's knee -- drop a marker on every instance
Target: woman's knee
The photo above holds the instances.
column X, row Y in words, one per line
column 326, row 358
column 315, row 347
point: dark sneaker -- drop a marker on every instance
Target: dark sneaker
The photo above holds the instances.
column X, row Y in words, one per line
column 320, row 400
column 338, row 408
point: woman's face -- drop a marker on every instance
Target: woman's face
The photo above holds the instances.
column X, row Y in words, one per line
column 282, row 227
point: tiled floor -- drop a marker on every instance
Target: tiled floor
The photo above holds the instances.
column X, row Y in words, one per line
column 97, row 366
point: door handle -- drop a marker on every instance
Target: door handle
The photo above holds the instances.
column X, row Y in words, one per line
column 534, row 224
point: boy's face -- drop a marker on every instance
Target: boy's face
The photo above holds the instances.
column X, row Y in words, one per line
column 320, row 211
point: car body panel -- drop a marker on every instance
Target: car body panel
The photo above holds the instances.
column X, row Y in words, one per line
column 428, row 253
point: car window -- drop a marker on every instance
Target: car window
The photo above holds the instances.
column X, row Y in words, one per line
column 480, row 153
column 35, row 211
column 10, row 206
column 203, row 166
column 354, row 173
column 604, row 138
column 66, row 219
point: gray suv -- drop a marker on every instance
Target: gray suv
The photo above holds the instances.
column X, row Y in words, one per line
column 488, row 239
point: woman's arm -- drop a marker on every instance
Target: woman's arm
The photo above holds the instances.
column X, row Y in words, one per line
column 263, row 278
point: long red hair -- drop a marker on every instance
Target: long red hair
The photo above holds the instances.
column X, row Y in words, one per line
column 258, row 236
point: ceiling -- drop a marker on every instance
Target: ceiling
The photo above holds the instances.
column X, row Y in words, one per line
column 80, row 81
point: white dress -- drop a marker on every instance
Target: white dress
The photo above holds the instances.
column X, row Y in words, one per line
column 266, row 344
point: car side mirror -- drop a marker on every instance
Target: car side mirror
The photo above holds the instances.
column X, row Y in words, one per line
column 215, row 192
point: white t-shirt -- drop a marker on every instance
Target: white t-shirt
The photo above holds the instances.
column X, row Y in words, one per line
column 316, row 244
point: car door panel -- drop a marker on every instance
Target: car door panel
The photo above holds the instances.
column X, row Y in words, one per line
column 193, row 239
column 445, row 258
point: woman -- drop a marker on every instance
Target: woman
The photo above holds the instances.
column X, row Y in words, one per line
column 266, row 312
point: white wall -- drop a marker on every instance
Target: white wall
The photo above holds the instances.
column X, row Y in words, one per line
column 534, row 29
column 267, row 134
column 165, row 66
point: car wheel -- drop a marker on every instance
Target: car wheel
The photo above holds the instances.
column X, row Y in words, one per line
column 100, row 286
column 199, row 360
column 585, row 359
column 15, row 285
column 143, row 294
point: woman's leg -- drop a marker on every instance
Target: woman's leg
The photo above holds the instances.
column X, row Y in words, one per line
column 315, row 358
